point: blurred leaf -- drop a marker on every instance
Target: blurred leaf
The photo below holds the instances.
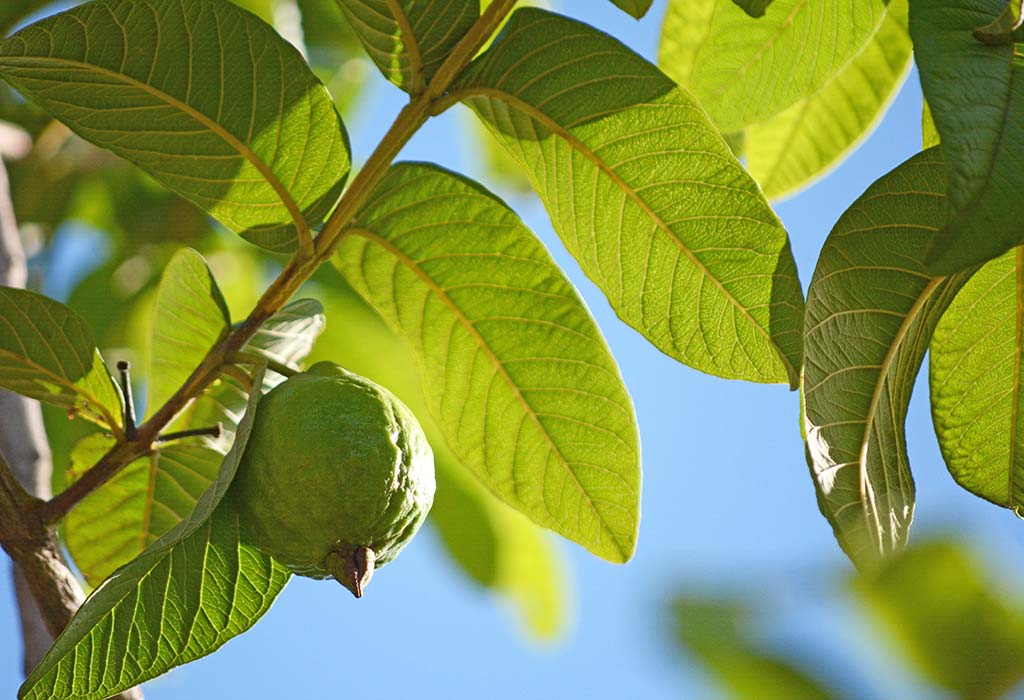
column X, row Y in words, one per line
column 754, row 8
column 1001, row 29
column 112, row 525
column 195, row 588
column 189, row 318
column 645, row 194
column 949, row 621
column 636, row 8
column 929, row 134
column 791, row 149
column 410, row 39
column 745, row 71
column 871, row 310
column 514, row 368
column 47, row 353
column 493, row 544
column 217, row 142
column 976, row 382
column 286, row 337
column 976, row 95
column 716, row 632
column 13, row 11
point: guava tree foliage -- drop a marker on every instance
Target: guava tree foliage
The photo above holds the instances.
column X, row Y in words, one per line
column 656, row 179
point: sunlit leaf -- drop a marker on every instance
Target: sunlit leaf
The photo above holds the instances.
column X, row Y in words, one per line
column 746, row 70
column 195, row 588
column 976, row 95
column 976, row 359
column 514, row 367
column 190, row 316
column 409, row 39
column 221, row 110
column 47, row 352
column 645, row 194
column 148, row 497
column 871, row 309
column 801, row 144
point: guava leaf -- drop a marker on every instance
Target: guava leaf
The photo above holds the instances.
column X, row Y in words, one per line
column 491, row 543
column 189, row 317
column 645, row 193
column 47, row 353
column 790, row 150
column 975, row 376
column 754, row 8
column 635, row 8
column 286, row 337
column 871, row 309
column 956, row 627
column 195, row 588
column 976, row 95
column 115, row 523
column 410, row 39
column 745, row 70
column 14, row 11
column 929, row 134
column 221, row 110
column 514, row 368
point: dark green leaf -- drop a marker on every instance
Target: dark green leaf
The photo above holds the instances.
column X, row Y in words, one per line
column 976, row 359
column 221, row 110
column 115, row 523
column 754, row 8
column 636, row 8
column 514, row 368
column 976, row 94
column 189, row 317
column 871, row 309
column 13, row 11
column 47, row 352
column 745, row 71
column 645, row 194
column 184, row 597
column 409, row 39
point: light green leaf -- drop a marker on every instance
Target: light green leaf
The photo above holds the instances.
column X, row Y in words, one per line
column 514, row 367
column 871, row 310
column 115, row 523
column 788, row 151
column 745, row 71
column 286, row 337
column 493, row 545
column 636, row 8
column 47, row 353
column 645, row 194
column 189, row 317
column 929, row 134
column 721, row 635
column 221, row 110
column 976, row 94
column 976, row 358
column 410, row 39
column 955, row 626
column 184, row 597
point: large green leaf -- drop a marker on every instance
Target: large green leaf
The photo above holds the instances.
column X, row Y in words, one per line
column 746, row 70
column 115, row 523
column 871, row 310
column 409, row 39
column 493, row 544
column 221, row 109
column 976, row 359
column 976, row 95
column 645, row 194
column 47, row 352
column 287, row 337
column 953, row 624
column 191, row 591
column 514, row 367
column 721, row 635
column 802, row 143
column 189, row 317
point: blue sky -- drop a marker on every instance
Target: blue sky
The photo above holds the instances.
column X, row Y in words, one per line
column 727, row 505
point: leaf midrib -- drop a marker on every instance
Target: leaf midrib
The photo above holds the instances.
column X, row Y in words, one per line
column 241, row 148
column 538, row 115
column 412, row 47
column 466, row 323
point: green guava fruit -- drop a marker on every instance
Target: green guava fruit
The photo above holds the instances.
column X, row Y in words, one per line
column 337, row 476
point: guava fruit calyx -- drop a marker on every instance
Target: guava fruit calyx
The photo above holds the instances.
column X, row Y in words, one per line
column 353, row 570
